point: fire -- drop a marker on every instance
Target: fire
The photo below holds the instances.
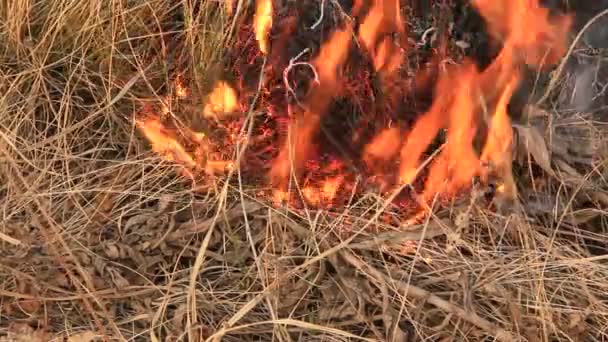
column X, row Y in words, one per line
column 383, row 148
column 498, row 148
column 466, row 127
column 180, row 90
column 164, row 143
column 529, row 37
column 320, row 195
column 263, row 23
column 378, row 31
column 527, row 29
column 221, row 102
column 304, row 126
column 330, row 187
column 229, row 6
column 457, row 163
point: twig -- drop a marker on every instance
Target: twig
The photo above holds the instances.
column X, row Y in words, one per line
column 9, row 239
column 318, row 22
column 53, row 231
column 429, row 31
column 419, row 293
column 562, row 65
column 92, row 116
column 290, row 322
column 397, row 237
column 246, row 308
column 193, row 227
column 341, row 10
column 241, row 151
column 246, row 130
column 293, row 63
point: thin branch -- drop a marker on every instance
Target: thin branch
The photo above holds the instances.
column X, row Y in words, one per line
column 318, row 22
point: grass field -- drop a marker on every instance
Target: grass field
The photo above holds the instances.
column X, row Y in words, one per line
column 100, row 239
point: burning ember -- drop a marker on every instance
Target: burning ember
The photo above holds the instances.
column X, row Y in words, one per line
column 324, row 130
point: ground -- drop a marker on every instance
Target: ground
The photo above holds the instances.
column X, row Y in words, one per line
column 101, row 238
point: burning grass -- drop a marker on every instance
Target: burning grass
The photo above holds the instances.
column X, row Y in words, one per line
column 150, row 190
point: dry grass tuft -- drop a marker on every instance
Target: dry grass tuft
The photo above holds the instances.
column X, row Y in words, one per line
column 100, row 239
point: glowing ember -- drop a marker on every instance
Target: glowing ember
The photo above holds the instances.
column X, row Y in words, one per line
column 180, row 90
column 263, row 23
column 330, row 188
column 289, row 140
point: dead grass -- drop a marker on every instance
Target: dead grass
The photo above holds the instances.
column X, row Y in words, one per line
column 100, row 239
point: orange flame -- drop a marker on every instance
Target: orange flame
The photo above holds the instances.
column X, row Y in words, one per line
column 527, row 29
column 422, row 133
column 383, row 148
column 458, row 163
column 263, row 23
column 529, row 37
column 330, row 188
column 164, row 143
column 304, row 126
column 377, row 32
column 464, row 97
column 324, row 194
column 498, row 148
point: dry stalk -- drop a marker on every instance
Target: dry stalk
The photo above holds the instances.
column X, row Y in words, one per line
column 52, row 232
column 562, row 66
column 409, row 290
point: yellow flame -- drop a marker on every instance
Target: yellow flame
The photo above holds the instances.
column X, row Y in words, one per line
column 229, row 5
column 263, row 23
column 383, row 147
column 222, row 101
column 384, row 18
column 163, row 143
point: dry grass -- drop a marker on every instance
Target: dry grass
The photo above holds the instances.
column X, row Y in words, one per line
column 99, row 238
